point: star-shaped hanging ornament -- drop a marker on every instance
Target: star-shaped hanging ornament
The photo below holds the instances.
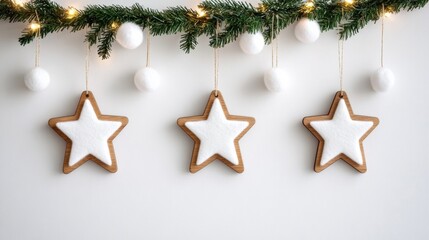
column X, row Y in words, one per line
column 340, row 134
column 216, row 134
column 89, row 135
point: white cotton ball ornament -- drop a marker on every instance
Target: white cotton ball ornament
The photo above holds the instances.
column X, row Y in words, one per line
column 129, row 35
column 307, row 31
column 275, row 79
column 37, row 79
column 252, row 43
column 147, row 79
column 382, row 80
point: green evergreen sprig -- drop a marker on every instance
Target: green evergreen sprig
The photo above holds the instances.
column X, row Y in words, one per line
column 234, row 18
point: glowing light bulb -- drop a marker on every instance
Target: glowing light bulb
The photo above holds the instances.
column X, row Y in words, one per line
column 387, row 14
column 34, row 26
column 72, row 12
column 114, row 25
column 201, row 12
column 308, row 6
column 19, row 3
column 262, row 7
column 349, row 2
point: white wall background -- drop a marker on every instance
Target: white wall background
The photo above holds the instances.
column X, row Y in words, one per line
column 153, row 196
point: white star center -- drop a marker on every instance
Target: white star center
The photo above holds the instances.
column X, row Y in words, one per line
column 89, row 135
column 217, row 134
column 341, row 134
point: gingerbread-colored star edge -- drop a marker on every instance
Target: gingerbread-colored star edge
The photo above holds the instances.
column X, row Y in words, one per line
column 88, row 95
column 193, row 168
column 362, row 168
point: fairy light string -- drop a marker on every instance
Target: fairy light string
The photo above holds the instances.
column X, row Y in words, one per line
column 174, row 20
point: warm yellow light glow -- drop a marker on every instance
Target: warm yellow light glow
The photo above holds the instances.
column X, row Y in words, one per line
column 72, row 12
column 309, row 4
column 388, row 11
column 262, row 7
column 114, row 25
column 201, row 12
column 34, row 26
column 19, row 3
column 349, row 2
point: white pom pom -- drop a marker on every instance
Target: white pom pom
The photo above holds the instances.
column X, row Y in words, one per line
column 274, row 79
column 37, row 79
column 252, row 43
column 129, row 35
column 147, row 79
column 307, row 31
column 382, row 80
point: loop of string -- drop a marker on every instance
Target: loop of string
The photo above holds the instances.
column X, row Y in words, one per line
column 341, row 55
column 216, row 60
column 274, row 45
column 88, row 49
column 382, row 35
column 37, row 43
column 148, row 48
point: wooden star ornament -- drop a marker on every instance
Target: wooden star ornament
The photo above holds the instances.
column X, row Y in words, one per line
column 89, row 135
column 216, row 134
column 341, row 134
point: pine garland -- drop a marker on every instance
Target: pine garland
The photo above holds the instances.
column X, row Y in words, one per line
column 235, row 18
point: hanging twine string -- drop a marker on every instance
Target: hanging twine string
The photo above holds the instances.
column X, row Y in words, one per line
column 37, row 43
column 277, row 42
column 37, row 57
column 382, row 35
column 341, row 55
column 216, row 60
column 148, row 48
column 341, row 63
column 274, row 43
column 88, row 50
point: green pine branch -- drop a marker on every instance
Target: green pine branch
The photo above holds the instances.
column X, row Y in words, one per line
column 233, row 18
